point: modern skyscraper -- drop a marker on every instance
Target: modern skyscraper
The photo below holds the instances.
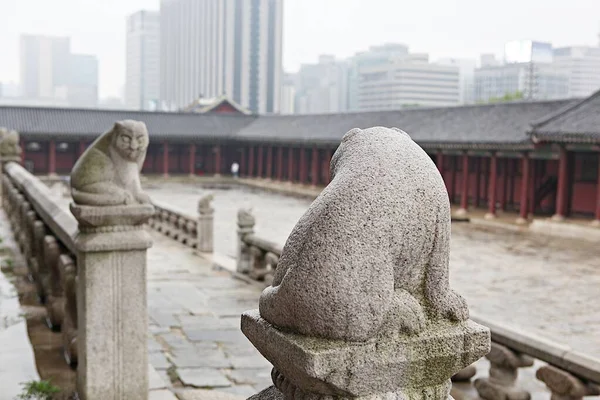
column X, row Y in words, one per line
column 142, row 76
column 466, row 69
column 322, row 87
column 52, row 75
column 211, row 48
column 581, row 65
column 389, row 77
column 44, row 65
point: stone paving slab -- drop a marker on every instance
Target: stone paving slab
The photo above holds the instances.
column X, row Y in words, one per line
column 203, row 377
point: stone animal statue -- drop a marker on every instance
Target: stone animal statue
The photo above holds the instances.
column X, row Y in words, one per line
column 108, row 172
column 370, row 255
column 9, row 143
column 204, row 203
column 245, row 217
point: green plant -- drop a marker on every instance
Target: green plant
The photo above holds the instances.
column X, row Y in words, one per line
column 38, row 390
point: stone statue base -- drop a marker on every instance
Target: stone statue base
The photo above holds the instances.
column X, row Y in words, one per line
column 399, row 366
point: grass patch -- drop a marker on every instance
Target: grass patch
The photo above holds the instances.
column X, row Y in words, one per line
column 38, row 390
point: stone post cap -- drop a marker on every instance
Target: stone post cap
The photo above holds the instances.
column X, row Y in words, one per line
column 204, row 206
column 384, row 364
column 9, row 146
column 245, row 219
column 112, row 227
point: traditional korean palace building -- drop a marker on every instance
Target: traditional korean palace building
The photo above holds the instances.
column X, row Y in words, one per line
column 532, row 157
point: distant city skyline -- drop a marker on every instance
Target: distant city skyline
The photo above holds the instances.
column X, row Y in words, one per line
column 457, row 29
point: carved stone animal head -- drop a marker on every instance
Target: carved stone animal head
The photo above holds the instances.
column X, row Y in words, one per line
column 9, row 143
column 245, row 217
column 130, row 139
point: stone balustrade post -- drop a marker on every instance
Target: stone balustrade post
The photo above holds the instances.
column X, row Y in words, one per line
column 10, row 151
column 205, row 227
column 342, row 319
column 565, row 386
column 501, row 383
column 111, row 245
column 245, row 223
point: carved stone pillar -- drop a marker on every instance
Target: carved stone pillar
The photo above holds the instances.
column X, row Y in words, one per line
column 10, row 150
column 205, row 224
column 245, row 222
column 111, row 245
column 504, row 365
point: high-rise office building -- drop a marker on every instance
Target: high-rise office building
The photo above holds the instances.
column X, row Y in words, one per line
column 44, row 65
column 211, row 48
column 390, row 77
column 581, row 65
column 466, row 70
column 142, row 76
column 52, row 75
column 322, row 87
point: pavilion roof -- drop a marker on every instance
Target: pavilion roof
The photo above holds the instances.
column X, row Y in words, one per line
column 483, row 126
column 576, row 123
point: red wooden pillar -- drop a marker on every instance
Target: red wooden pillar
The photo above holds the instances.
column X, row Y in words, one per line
column 52, row 157
column 315, row 167
column 218, row 160
column 563, row 185
column 523, row 203
column 303, row 166
column 439, row 162
column 492, row 187
column 452, row 188
column 290, row 174
column 192, row 164
column 280, row 163
column 242, row 162
column 504, row 183
column 259, row 170
column 477, row 180
column 597, row 217
column 269, row 172
column 81, row 148
column 165, row 160
column 251, row 161
column 464, row 196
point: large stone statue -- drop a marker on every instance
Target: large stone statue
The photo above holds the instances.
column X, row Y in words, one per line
column 360, row 306
column 108, row 171
column 9, row 145
column 371, row 253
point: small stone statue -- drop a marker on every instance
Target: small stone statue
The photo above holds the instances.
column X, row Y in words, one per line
column 204, row 204
column 108, row 172
column 245, row 217
column 9, row 143
column 371, row 253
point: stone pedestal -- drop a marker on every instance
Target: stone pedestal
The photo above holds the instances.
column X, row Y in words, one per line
column 399, row 366
column 245, row 222
column 111, row 301
column 205, row 226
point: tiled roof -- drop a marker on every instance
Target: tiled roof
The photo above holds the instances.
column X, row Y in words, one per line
column 577, row 123
column 494, row 124
column 65, row 122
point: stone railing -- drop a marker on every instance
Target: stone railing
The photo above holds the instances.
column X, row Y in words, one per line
column 45, row 234
column 256, row 257
column 195, row 232
column 89, row 265
column 568, row 374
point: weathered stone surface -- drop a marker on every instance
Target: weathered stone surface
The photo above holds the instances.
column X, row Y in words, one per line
column 9, row 146
column 565, row 386
column 111, row 245
column 402, row 364
column 204, row 394
column 245, row 223
column 205, row 226
column 378, row 237
column 501, row 383
column 107, row 173
column 203, row 377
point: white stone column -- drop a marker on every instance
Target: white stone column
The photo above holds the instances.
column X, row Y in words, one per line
column 205, row 228
column 111, row 301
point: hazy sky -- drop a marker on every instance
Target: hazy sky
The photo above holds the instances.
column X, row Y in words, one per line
column 443, row 28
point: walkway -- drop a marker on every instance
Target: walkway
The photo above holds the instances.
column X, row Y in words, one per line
column 195, row 338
